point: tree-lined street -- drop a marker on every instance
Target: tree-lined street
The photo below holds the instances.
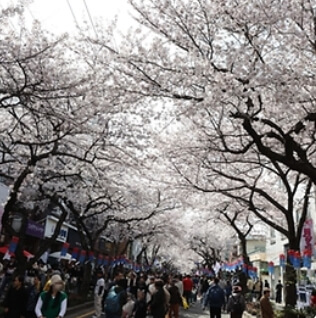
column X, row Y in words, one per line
column 163, row 148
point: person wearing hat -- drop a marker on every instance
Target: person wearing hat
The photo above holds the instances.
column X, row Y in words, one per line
column 52, row 303
column 236, row 303
column 265, row 304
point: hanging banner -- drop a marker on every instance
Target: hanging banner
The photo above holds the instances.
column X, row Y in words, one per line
column 271, row 268
column 307, row 238
column 82, row 257
column 100, row 259
column 282, row 261
column 13, row 244
column 91, row 256
column 297, row 260
column 75, row 253
column 64, row 249
column 307, row 259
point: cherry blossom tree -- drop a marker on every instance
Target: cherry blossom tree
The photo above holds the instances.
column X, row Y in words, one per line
column 244, row 75
column 59, row 141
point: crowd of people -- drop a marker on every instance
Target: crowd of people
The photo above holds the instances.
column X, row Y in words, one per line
column 42, row 292
column 121, row 293
column 160, row 296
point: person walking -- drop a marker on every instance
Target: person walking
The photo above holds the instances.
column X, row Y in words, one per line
column 98, row 294
column 257, row 289
column 52, row 303
column 278, row 297
column 236, row 303
column 228, row 291
column 175, row 300
column 16, row 299
column 140, row 307
column 116, row 299
column 215, row 298
column 158, row 301
column 266, row 284
column 32, row 295
column 187, row 288
column 265, row 304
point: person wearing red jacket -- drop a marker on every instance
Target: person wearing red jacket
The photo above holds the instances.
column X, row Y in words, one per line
column 187, row 288
column 313, row 299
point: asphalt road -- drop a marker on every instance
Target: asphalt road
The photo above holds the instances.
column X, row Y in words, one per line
column 195, row 311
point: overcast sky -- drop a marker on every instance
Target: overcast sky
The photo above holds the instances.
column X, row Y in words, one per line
column 62, row 15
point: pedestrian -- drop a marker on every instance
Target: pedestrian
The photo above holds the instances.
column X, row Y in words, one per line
column 203, row 287
column 150, row 289
column 187, row 288
column 278, row 297
column 132, row 283
column 98, row 294
column 157, row 304
column 265, row 304
column 127, row 309
column 179, row 284
column 116, row 298
column 257, row 289
column 52, row 303
column 215, row 299
column 266, row 284
column 32, row 296
column 313, row 299
column 140, row 307
column 228, row 290
column 16, row 298
column 236, row 303
column 175, row 300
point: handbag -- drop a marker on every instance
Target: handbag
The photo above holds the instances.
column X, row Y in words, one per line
column 185, row 303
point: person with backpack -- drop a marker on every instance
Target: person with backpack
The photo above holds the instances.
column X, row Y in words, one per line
column 215, row 298
column 236, row 303
column 115, row 301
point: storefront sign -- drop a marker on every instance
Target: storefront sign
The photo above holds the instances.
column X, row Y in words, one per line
column 307, row 239
column 51, row 224
column 34, row 229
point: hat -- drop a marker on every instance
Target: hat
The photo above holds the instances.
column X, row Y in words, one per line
column 56, row 279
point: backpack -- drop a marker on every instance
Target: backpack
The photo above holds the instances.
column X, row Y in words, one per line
column 112, row 302
column 215, row 295
column 237, row 306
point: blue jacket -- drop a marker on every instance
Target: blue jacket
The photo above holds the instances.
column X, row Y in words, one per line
column 214, row 297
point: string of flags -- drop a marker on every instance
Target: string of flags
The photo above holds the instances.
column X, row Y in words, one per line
column 102, row 260
column 295, row 258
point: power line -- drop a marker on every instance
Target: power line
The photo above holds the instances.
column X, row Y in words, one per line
column 90, row 17
column 73, row 14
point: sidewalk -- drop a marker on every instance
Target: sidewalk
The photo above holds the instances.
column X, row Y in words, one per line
column 79, row 308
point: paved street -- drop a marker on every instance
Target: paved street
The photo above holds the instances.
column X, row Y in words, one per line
column 194, row 312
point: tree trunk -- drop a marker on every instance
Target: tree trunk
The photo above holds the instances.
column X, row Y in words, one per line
column 290, row 285
column 86, row 280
